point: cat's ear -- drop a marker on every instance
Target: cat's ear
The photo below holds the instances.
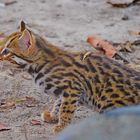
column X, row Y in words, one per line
column 22, row 26
column 25, row 40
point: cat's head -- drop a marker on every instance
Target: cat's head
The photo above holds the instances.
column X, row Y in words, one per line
column 20, row 46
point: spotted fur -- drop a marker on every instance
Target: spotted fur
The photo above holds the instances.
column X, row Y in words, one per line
column 98, row 82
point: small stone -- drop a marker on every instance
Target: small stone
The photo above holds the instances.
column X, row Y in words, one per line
column 119, row 124
column 125, row 17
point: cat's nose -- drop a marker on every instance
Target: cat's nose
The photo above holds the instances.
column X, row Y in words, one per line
column 5, row 52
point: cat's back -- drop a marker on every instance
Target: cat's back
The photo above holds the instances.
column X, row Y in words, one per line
column 113, row 75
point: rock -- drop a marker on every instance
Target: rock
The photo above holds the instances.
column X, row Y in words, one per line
column 119, row 124
column 124, row 111
column 125, row 17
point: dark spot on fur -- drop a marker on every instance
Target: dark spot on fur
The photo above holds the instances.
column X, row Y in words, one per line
column 101, row 70
column 82, row 66
column 89, row 86
column 131, row 99
column 49, row 86
column 109, row 90
column 65, row 63
column 108, row 106
column 93, row 101
column 135, row 93
column 89, row 98
column 57, row 82
column 114, row 96
column 99, row 106
column 126, row 93
column 114, row 78
column 66, row 94
column 40, row 75
column 74, row 101
column 120, row 102
column 106, row 65
column 103, row 98
column 119, row 86
column 137, row 85
column 30, row 70
column 71, row 74
column 128, row 82
column 37, row 69
column 137, row 78
column 97, row 89
column 48, row 80
column 121, row 81
column 58, row 91
column 108, row 84
column 91, row 67
column 51, row 68
column 57, row 77
column 68, row 111
column 117, row 71
column 97, row 79
column 41, row 83
column 97, row 58
column 74, row 95
column 66, row 103
column 64, row 107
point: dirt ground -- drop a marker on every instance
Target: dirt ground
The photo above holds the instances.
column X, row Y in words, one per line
column 66, row 23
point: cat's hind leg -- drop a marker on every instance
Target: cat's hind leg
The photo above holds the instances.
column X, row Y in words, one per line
column 52, row 117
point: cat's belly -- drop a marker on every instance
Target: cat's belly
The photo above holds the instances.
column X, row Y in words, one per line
column 86, row 101
column 43, row 87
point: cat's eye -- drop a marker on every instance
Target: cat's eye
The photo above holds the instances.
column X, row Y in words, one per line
column 5, row 52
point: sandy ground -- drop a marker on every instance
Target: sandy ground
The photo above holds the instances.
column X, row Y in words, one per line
column 66, row 23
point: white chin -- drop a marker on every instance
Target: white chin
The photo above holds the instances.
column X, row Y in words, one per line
column 20, row 61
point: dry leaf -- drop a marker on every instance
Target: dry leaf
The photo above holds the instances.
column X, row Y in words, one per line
column 122, row 3
column 134, row 66
column 134, row 32
column 107, row 48
column 35, row 122
column 102, row 45
column 20, row 101
column 136, row 42
column 27, row 76
column 7, row 105
column 27, row 101
column 10, row 2
column 2, row 35
column 126, row 47
column 4, row 127
column 30, row 101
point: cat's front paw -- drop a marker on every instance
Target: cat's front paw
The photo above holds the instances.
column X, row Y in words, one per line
column 48, row 117
column 58, row 128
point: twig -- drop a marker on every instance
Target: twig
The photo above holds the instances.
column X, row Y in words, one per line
column 25, row 132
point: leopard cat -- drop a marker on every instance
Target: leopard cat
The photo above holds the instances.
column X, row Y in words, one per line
column 98, row 82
